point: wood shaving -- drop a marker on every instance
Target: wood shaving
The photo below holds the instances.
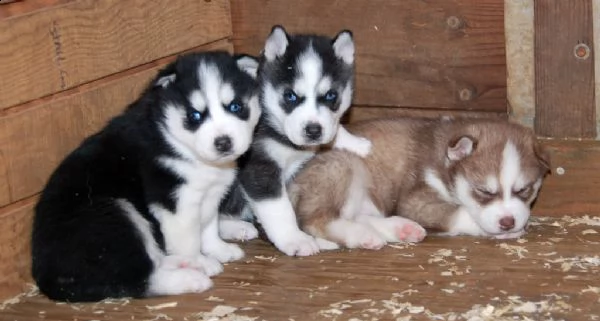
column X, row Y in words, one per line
column 214, row 299
column 589, row 231
column 162, row 306
column 222, row 313
column 514, row 250
column 583, row 220
column 33, row 291
column 593, row 289
column 265, row 258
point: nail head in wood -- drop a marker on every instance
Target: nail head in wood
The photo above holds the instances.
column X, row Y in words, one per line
column 466, row 94
column 454, row 22
column 581, row 51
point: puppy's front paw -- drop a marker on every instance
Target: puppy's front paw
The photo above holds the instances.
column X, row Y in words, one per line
column 224, row 252
column 357, row 145
column 298, row 244
column 407, row 230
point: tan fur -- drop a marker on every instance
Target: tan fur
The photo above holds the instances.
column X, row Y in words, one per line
column 402, row 148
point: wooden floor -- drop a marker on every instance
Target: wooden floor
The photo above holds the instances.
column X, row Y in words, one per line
column 551, row 274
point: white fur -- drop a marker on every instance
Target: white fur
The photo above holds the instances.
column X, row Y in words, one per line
column 344, row 47
column 200, row 143
column 166, row 80
column 311, row 83
column 197, row 204
column 276, row 44
column 355, row 235
column 235, row 229
column 173, row 281
column 248, row 65
column 144, row 229
column 278, row 218
column 358, row 201
column 197, row 100
column 433, row 180
column 288, row 159
column 488, row 217
column 463, row 224
column 395, row 228
column 168, row 277
column 355, row 144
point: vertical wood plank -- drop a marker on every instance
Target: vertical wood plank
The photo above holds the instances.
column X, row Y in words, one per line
column 564, row 82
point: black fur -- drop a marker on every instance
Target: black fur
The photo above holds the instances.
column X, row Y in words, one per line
column 84, row 248
column 259, row 175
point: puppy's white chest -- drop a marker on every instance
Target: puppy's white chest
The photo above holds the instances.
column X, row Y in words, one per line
column 288, row 159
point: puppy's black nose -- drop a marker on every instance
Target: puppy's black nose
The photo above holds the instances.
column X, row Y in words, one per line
column 313, row 131
column 223, row 144
column 507, row 223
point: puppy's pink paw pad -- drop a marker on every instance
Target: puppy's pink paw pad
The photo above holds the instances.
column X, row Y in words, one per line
column 373, row 243
column 410, row 232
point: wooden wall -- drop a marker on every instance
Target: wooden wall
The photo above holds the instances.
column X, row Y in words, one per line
column 424, row 57
column 66, row 66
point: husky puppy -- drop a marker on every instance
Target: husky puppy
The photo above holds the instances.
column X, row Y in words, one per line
column 306, row 84
column 471, row 177
column 133, row 210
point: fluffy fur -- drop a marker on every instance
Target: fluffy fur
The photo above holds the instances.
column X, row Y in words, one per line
column 306, row 84
column 473, row 177
column 133, row 210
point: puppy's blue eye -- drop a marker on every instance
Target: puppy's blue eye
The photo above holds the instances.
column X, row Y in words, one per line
column 331, row 96
column 195, row 116
column 290, row 96
column 234, row 107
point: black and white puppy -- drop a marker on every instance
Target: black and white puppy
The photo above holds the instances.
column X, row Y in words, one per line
column 132, row 212
column 306, row 85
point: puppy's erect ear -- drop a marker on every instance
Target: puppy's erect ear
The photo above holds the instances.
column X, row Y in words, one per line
column 276, row 43
column 248, row 64
column 543, row 156
column 165, row 81
column 343, row 46
column 461, row 147
column 166, row 76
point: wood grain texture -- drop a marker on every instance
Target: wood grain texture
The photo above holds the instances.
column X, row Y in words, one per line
column 35, row 137
column 454, row 278
column 66, row 45
column 359, row 113
column 573, row 188
column 22, row 7
column 15, row 247
column 564, row 95
column 425, row 54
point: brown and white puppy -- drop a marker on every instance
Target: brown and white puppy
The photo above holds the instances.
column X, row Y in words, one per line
column 469, row 177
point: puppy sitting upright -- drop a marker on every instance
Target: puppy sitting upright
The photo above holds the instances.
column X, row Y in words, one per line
column 133, row 210
column 473, row 177
column 306, row 84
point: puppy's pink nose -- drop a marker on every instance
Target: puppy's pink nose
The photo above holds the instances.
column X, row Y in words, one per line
column 507, row 223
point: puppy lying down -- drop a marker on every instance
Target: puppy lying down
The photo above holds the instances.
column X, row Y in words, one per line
column 452, row 177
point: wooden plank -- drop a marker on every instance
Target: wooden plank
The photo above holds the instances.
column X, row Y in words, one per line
column 574, row 185
column 15, row 247
column 453, row 278
column 70, row 44
column 412, row 53
column 564, row 83
column 359, row 113
column 20, row 8
column 35, row 137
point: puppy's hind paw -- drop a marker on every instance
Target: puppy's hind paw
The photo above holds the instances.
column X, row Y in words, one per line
column 237, row 230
